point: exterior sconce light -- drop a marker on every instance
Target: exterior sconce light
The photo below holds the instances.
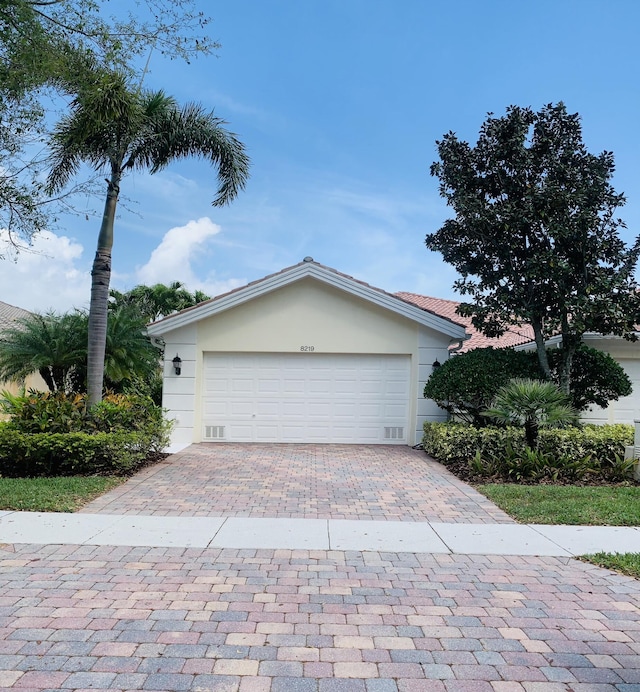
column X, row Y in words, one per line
column 177, row 364
column 435, row 365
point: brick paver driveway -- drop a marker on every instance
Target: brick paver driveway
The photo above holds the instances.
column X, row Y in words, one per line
column 78, row 618
column 228, row 620
column 301, row 481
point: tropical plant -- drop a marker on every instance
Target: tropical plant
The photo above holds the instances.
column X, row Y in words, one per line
column 52, row 345
column 466, row 384
column 52, row 45
column 532, row 404
column 56, row 347
column 535, row 234
column 117, row 128
column 159, row 300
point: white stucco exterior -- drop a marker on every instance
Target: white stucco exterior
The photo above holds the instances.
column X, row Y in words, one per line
column 308, row 308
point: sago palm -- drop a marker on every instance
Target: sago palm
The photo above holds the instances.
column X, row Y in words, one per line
column 116, row 129
column 533, row 404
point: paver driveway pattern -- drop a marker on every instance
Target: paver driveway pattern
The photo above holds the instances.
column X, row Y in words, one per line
column 381, row 482
column 76, row 618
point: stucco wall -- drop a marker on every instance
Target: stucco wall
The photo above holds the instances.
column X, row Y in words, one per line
column 627, row 408
column 307, row 313
column 34, row 381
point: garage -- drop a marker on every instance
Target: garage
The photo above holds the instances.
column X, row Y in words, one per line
column 305, row 355
column 306, row 397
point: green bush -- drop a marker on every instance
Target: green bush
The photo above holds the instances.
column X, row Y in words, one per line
column 70, row 454
column 53, row 434
column 40, row 412
column 561, row 454
column 466, row 384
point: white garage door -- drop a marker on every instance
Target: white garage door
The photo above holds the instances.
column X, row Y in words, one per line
column 306, row 397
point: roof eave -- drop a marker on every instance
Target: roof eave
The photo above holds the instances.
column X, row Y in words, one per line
column 295, row 273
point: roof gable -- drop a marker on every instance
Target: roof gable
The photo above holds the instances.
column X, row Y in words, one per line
column 309, row 269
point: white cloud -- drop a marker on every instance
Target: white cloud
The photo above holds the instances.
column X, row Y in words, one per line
column 48, row 275
column 180, row 250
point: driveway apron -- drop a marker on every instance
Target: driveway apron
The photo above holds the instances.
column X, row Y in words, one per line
column 374, row 482
column 164, row 619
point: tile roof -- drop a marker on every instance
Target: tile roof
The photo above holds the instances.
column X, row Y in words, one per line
column 447, row 308
column 9, row 314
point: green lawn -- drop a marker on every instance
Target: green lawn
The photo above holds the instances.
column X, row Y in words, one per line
column 567, row 504
column 626, row 563
column 62, row 494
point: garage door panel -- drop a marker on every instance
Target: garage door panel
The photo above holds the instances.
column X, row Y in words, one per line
column 307, row 397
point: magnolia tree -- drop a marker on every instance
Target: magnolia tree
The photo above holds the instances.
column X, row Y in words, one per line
column 535, row 236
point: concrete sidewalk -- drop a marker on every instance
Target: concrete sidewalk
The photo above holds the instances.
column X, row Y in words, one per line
column 314, row 534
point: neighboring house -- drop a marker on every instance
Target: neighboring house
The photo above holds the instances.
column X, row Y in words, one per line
column 627, row 353
column 9, row 314
column 304, row 355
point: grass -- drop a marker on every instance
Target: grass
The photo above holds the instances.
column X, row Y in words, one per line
column 61, row 494
column 567, row 504
column 626, row 563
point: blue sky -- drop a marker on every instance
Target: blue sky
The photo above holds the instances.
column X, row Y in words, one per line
column 340, row 103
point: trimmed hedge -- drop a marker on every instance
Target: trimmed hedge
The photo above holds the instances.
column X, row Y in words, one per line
column 69, row 454
column 561, row 452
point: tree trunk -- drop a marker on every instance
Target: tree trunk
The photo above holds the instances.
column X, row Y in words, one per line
column 98, row 308
column 541, row 348
column 531, row 433
column 569, row 346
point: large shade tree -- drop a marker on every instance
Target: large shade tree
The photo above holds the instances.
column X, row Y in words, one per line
column 535, row 234
column 116, row 128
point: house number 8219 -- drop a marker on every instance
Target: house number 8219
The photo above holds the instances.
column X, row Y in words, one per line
column 307, row 348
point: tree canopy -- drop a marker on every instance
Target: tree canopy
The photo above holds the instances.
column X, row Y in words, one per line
column 56, row 46
column 157, row 301
column 535, row 235
column 116, row 127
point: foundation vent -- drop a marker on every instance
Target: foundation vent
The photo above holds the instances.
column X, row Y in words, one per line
column 394, row 433
column 214, row 432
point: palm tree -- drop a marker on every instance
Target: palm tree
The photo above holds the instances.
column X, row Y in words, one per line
column 115, row 128
column 52, row 345
column 533, row 404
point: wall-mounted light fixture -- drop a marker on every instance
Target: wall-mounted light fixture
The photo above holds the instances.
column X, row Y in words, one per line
column 177, row 364
column 435, row 365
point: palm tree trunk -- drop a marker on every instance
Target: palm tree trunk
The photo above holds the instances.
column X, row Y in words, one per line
column 98, row 307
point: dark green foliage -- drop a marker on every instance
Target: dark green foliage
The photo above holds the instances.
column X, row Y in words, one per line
column 55, row 434
column 534, row 404
column 535, row 235
column 39, row 412
column 466, row 384
column 562, row 454
column 56, row 347
column 55, row 46
column 159, row 300
column 596, row 378
column 69, row 454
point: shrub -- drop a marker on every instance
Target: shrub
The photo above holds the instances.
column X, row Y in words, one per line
column 562, row 454
column 38, row 412
column 534, row 404
column 467, row 383
column 68, row 454
column 54, row 434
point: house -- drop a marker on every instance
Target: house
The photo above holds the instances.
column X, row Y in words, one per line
column 9, row 316
column 626, row 353
column 304, row 355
